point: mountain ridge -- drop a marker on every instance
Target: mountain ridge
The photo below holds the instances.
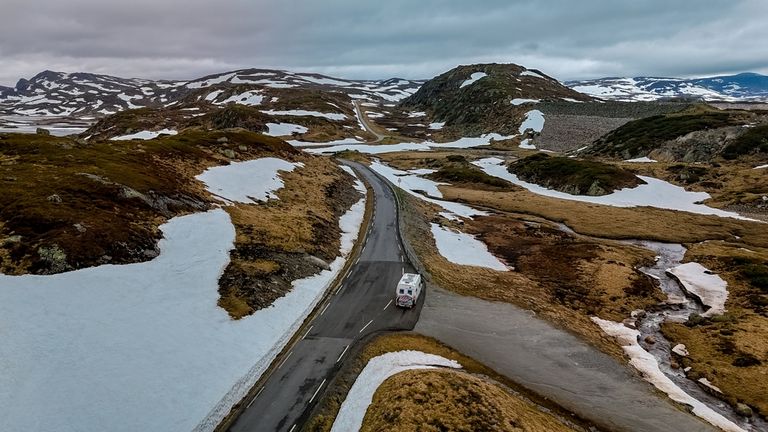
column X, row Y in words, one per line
column 741, row 87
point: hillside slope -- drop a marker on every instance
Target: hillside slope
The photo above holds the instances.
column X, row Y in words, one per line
column 482, row 98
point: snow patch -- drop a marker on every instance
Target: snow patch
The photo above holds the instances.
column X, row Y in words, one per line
column 437, row 125
column 534, row 120
column 329, row 116
column 518, row 101
column 698, row 281
column 644, row 159
column 247, row 182
column 378, row 369
column 284, row 129
column 473, row 78
column 461, row 248
column 655, row 193
column 145, row 135
column 531, row 74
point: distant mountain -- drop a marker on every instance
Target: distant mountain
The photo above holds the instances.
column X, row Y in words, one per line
column 487, row 97
column 731, row 88
column 84, row 94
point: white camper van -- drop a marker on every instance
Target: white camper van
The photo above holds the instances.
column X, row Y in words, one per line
column 408, row 290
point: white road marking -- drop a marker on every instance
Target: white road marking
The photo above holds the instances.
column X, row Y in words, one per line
column 292, row 428
column 385, row 307
column 307, row 333
column 254, row 398
column 342, row 353
column 316, row 391
column 357, row 261
column 402, row 271
column 365, row 326
column 285, row 359
column 324, row 309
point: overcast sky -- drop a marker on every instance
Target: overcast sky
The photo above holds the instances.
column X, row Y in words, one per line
column 568, row 39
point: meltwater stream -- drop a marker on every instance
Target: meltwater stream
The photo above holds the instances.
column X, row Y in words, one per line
column 677, row 308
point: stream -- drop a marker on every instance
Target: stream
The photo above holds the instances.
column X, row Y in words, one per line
column 677, row 308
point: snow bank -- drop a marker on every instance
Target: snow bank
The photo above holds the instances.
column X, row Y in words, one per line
column 655, row 193
column 417, row 186
column 647, row 365
column 530, row 73
column 284, row 129
column 644, row 159
column 145, row 343
column 247, row 182
column 145, row 135
column 329, row 116
column 366, row 148
column 461, row 248
column 534, row 120
column 698, row 281
column 473, row 78
column 468, row 142
column 520, row 101
column 378, row 369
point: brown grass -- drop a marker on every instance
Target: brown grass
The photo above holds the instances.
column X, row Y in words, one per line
column 274, row 238
column 615, row 222
column 446, row 400
column 526, row 403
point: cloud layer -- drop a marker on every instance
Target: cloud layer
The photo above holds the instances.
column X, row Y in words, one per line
column 178, row 39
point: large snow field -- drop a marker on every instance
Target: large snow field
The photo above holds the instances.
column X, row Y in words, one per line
column 144, row 347
column 284, row 129
column 352, row 143
column 655, row 193
column 378, row 369
column 247, row 182
column 461, row 248
column 648, row 366
column 709, row 288
column 417, row 186
column 145, row 135
column 363, row 148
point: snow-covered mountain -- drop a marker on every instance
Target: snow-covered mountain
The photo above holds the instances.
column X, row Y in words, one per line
column 733, row 88
column 84, row 94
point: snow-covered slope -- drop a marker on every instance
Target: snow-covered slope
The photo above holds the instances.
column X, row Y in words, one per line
column 84, row 94
column 741, row 87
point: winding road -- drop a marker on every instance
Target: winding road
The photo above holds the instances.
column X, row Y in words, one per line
column 544, row 358
column 362, row 304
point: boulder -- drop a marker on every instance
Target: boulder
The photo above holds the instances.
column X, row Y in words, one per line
column 743, row 410
column 55, row 198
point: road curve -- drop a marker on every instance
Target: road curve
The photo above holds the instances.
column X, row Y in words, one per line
column 364, row 122
column 362, row 304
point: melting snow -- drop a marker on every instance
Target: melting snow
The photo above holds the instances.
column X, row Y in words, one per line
column 644, row 159
column 145, row 135
column 655, row 193
column 648, row 366
column 251, row 98
column 284, row 129
column 378, row 369
column 473, row 78
column 460, row 248
column 436, row 125
column 533, row 120
column 761, row 167
column 248, row 181
column 530, row 73
column 517, row 101
column 330, row 116
column 698, row 281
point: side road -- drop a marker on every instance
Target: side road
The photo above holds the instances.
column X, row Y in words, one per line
column 551, row 362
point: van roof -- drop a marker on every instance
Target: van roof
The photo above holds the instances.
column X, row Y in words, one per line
column 409, row 278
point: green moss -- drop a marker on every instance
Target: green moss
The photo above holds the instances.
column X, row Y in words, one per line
column 639, row 137
column 574, row 176
column 467, row 173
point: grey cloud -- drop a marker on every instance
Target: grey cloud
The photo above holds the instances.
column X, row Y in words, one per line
column 364, row 39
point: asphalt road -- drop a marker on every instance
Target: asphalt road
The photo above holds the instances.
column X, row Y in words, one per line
column 552, row 362
column 362, row 304
column 366, row 125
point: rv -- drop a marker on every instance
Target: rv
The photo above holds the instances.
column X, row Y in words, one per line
column 408, row 290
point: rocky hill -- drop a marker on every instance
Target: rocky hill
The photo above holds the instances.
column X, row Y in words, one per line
column 84, row 94
column 697, row 134
column 484, row 98
column 733, row 88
